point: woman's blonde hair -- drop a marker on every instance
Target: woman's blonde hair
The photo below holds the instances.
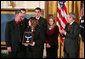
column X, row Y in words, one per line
column 51, row 17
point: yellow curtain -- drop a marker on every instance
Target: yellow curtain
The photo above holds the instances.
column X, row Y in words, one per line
column 72, row 6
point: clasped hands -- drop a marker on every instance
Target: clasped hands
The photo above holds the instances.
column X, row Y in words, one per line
column 26, row 44
column 62, row 31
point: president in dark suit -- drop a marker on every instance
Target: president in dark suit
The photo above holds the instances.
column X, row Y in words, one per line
column 71, row 34
column 13, row 35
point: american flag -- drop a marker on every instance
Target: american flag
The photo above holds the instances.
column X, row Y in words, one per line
column 61, row 16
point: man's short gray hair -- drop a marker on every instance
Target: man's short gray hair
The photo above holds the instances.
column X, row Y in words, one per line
column 72, row 15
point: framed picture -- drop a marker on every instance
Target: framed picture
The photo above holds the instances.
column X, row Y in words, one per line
column 27, row 37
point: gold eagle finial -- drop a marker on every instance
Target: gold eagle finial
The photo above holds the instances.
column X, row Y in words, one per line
column 12, row 4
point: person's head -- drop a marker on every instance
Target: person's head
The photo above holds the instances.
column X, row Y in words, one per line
column 51, row 21
column 71, row 17
column 33, row 22
column 37, row 11
column 22, row 13
column 17, row 16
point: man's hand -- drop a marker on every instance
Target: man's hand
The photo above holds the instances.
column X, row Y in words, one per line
column 9, row 49
column 62, row 31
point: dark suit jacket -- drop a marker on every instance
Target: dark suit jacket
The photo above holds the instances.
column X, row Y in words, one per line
column 13, row 34
column 71, row 38
column 43, row 24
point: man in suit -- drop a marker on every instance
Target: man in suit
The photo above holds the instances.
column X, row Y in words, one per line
column 42, row 21
column 42, row 25
column 13, row 35
column 71, row 34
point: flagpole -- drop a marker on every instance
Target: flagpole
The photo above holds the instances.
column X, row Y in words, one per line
column 60, row 47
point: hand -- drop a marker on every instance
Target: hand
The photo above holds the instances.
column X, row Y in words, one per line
column 62, row 31
column 25, row 44
column 32, row 44
column 50, row 28
column 9, row 49
column 48, row 45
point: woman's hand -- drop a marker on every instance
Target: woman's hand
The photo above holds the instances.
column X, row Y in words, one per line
column 9, row 49
column 32, row 44
column 48, row 45
column 25, row 44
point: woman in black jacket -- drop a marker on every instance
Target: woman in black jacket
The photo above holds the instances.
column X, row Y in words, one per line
column 36, row 46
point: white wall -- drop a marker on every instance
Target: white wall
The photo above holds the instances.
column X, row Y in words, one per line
column 24, row 4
